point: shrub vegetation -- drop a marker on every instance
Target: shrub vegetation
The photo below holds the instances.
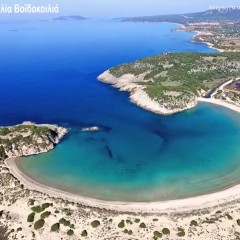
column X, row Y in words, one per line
column 121, row 224
column 39, row 224
column 95, row 223
column 31, row 217
column 55, row 227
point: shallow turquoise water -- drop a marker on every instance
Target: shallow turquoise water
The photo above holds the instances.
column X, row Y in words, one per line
column 179, row 156
column 48, row 75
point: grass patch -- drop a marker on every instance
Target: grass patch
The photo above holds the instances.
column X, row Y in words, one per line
column 4, row 131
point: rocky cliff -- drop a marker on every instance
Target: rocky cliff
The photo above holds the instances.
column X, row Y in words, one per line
column 29, row 139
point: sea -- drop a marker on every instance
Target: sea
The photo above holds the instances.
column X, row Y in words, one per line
column 48, row 74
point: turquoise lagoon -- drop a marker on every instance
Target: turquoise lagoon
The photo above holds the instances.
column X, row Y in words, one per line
column 188, row 154
column 48, row 75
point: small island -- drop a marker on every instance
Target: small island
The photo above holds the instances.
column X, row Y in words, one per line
column 174, row 82
column 70, row 18
column 164, row 84
column 28, row 139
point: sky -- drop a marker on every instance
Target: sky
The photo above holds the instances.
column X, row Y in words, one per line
column 116, row 8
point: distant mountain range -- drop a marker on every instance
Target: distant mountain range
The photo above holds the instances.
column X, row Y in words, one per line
column 209, row 16
column 70, row 18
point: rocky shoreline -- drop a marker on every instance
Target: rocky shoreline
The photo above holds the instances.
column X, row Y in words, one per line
column 138, row 96
column 20, row 200
column 30, row 139
column 129, row 83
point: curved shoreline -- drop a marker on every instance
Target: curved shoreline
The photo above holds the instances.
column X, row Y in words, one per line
column 188, row 204
column 181, row 205
column 209, row 200
column 220, row 103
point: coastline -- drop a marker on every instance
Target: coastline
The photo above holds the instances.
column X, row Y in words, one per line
column 138, row 96
column 216, row 214
column 210, row 45
column 220, row 103
column 208, row 200
column 198, row 222
column 183, row 28
column 181, row 205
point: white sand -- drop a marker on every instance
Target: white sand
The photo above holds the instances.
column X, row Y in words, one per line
column 221, row 103
column 205, row 201
column 170, row 214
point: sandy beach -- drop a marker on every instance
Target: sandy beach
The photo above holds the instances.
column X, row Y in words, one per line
column 203, row 217
column 210, row 45
column 197, row 218
column 221, row 103
column 188, row 204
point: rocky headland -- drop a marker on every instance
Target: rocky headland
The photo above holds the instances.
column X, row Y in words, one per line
column 29, row 139
column 174, row 82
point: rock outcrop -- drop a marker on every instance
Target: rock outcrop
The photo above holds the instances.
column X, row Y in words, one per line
column 29, row 139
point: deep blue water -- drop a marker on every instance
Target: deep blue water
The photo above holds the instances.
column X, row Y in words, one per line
column 48, row 74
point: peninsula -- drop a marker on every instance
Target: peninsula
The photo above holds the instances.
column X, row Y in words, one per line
column 173, row 82
column 219, row 28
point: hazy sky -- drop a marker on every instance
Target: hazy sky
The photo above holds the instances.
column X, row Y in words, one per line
column 119, row 8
